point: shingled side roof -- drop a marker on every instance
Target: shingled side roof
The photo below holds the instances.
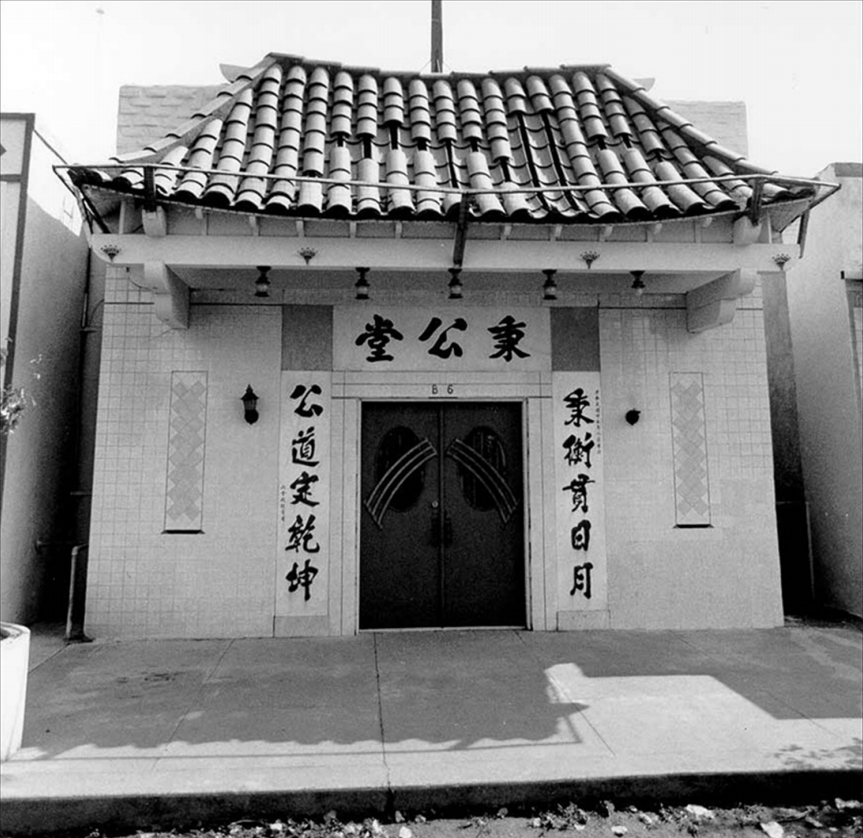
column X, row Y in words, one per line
column 576, row 145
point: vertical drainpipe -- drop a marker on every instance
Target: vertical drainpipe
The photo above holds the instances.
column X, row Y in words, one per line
column 88, row 360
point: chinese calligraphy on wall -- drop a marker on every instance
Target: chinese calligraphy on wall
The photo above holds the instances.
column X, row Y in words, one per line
column 577, row 414
column 451, row 339
column 302, row 564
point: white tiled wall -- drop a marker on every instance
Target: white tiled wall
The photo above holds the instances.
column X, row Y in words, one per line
column 661, row 575
column 145, row 583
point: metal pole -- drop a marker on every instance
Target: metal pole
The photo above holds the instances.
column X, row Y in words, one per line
column 77, row 595
column 437, row 37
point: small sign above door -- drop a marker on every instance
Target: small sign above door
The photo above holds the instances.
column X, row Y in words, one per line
column 451, row 339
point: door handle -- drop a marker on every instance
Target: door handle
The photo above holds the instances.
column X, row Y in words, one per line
column 434, row 535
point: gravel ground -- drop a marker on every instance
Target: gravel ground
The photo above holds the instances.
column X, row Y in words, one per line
column 828, row 819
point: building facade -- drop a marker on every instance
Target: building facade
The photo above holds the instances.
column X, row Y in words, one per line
column 392, row 351
column 817, row 385
column 43, row 307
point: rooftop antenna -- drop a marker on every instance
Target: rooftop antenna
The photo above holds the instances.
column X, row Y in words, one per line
column 437, row 37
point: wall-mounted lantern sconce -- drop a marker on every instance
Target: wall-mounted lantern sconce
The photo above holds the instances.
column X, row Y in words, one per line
column 250, row 405
column 637, row 282
column 262, row 283
column 456, row 289
column 632, row 416
column 362, row 284
column 549, row 288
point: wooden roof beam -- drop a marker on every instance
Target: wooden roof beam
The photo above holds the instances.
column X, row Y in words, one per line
column 460, row 234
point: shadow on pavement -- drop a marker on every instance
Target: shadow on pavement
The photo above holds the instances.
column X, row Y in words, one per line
column 433, row 691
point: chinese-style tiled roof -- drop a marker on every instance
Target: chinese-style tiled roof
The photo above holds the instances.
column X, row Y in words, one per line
column 568, row 145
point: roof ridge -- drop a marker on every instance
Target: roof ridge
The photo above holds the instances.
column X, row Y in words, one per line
column 290, row 58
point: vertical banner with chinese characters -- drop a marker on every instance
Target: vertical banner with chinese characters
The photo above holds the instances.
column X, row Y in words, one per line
column 578, row 474
column 302, row 566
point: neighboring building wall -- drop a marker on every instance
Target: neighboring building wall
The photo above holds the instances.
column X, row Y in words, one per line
column 792, row 511
column 149, row 113
column 855, row 308
column 724, row 121
column 44, row 264
column 222, row 581
column 824, row 312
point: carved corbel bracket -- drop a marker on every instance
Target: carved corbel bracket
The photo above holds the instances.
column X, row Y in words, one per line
column 170, row 294
column 155, row 222
column 714, row 304
column 745, row 231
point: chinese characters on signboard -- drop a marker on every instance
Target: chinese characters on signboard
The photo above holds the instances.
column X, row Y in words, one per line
column 578, row 469
column 304, row 494
column 428, row 339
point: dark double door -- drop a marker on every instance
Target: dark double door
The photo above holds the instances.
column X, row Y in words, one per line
column 442, row 522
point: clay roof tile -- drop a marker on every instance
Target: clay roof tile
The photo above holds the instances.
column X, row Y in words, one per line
column 394, row 105
column 490, row 134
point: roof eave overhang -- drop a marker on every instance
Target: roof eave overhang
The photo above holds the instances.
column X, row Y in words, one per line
column 408, row 255
column 101, row 198
column 709, row 278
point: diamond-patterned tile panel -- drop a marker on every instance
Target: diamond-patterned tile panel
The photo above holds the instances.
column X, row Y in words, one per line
column 691, row 479
column 184, row 493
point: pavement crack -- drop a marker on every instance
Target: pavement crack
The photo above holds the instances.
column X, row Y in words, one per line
column 217, row 664
column 191, row 703
column 389, row 792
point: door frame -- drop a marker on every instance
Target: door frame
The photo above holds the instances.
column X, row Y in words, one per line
column 531, row 389
column 440, row 428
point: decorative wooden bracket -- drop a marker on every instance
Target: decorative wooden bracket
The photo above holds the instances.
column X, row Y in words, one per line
column 153, row 216
column 745, row 231
column 155, row 223
column 714, row 304
column 754, row 210
column 170, row 294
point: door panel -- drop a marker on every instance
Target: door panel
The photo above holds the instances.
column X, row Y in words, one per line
column 399, row 556
column 483, row 567
column 441, row 534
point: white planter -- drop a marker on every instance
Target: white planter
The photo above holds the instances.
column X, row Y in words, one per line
column 14, row 663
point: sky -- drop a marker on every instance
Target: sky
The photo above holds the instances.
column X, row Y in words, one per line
column 797, row 65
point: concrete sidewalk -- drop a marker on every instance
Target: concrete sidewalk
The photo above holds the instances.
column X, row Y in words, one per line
column 132, row 733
